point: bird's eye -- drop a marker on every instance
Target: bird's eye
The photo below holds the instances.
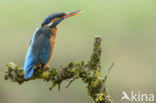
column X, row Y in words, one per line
column 62, row 15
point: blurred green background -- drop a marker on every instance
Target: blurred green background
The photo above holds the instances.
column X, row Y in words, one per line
column 128, row 28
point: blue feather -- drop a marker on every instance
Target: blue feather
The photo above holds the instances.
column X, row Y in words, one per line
column 38, row 51
column 30, row 61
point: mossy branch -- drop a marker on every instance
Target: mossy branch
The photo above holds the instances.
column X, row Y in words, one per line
column 89, row 72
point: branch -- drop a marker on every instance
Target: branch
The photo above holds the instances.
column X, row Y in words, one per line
column 89, row 72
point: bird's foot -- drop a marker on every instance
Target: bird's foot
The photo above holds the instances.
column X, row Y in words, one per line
column 39, row 65
column 35, row 66
column 46, row 66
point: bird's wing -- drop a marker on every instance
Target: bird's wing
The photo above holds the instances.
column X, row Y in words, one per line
column 38, row 50
column 42, row 44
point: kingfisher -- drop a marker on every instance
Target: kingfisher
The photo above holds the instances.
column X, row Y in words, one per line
column 43, row 41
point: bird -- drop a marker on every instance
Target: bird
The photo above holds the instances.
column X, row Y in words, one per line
column 42, row 45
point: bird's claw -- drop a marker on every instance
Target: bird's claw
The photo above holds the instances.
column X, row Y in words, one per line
column 46, row 66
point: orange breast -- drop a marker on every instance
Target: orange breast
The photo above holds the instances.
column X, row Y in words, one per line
column 53, row 31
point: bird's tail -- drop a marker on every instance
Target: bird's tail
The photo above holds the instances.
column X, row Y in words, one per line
column 29, row 68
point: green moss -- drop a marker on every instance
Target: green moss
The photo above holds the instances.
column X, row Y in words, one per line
column 99, row 97
column 45, row 74
column 73, row 70
column 94, row 83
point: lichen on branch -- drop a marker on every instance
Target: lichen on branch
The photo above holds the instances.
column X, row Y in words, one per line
column 88, row 71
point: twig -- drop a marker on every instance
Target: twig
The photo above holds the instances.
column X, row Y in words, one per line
column 110, row 68
column 70, row 82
